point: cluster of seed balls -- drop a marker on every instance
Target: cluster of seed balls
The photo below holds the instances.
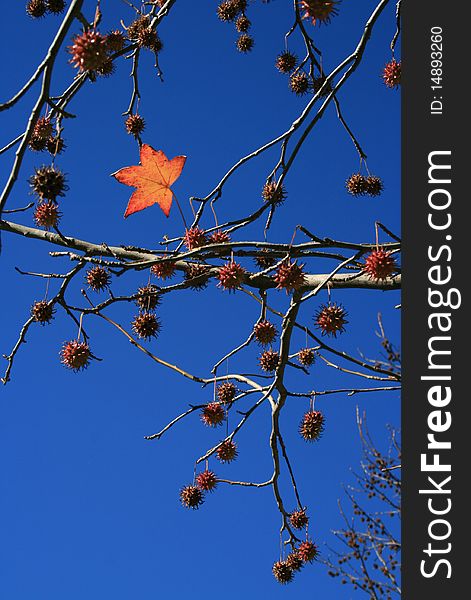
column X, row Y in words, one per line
column 319, row 11
column 306, row 552
column 358, row 184
column 92, row 51
column 74, row 354
column 77, row 355
column 274, row 192
column 212, row 415
column 265, row 333
column 330, row 318
column 146, row 325
column 233, row 11
column 289, row 275
column 48, row 183
column 43, row 137
column 141, row 33
column 361, row 185
column 192, row 496
column 40, row 8
column 284, row 570
column 300, row 83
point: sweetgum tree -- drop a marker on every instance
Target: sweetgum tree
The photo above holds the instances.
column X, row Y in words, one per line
column 232, row 237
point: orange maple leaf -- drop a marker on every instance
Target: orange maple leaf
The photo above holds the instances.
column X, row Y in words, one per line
column 152, row 180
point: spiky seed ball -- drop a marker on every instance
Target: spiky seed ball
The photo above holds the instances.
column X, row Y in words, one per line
column 137, row 26
column 317, row 84
column 37, row 144
column 265, row 332
column 374, row 185
column 163, row 270
column 245, row 43
column 243, row 24
column 392, row 74
column 380, row 264
column 55, row 145
column 48, row 182
column 219, row 237
column 191, row 497
column 299, row 519
column 47, row 215
column 307, row 551
column 88, row 51
column 36, row 8
column 227, row 11
column 227, row 452
column 42, row 311
column 148, row 298
column 43, row 128
column 106, row 69
column 269, row 360
column 319, row 11
column 282, row 572
column 206, row 481
column 196, row 277
column 194, row 238
column 135, row 125
column 230, row 276
column 148, row 38
column 213, row 414
column 98, row 278
column 306, row 357
column 294, row 561
column 312, row 426
column 226, row 392
column 263, row 260
column 146, row 325
column 286, row 62
column 330, row 319
column 75, row 355
column 289, row 276
column 299, row 83
column 55, row 6
column 115, row 41
column 357, row 184
column 274, row 193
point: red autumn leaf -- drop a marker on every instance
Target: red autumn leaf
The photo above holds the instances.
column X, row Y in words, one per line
column 152, row 180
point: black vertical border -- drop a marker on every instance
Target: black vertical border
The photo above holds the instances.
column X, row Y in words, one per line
column 422, row 133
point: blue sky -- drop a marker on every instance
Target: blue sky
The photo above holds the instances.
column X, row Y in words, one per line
column 88, row 507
